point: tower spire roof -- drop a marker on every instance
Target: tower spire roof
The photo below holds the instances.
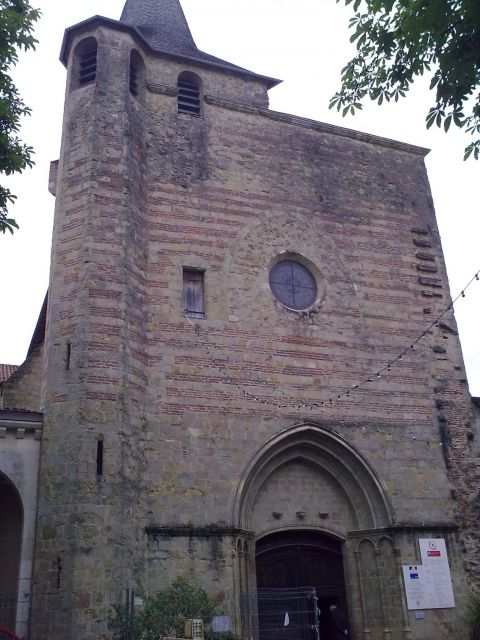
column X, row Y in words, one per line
column 162, row 23
column 162, row 26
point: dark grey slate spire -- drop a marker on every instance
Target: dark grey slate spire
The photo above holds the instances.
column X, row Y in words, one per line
column 162, row 23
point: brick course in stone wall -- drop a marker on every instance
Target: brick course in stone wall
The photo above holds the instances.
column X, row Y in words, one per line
column 143, row 192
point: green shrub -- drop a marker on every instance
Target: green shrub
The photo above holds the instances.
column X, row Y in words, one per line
column 473, row 616
column 164, row 613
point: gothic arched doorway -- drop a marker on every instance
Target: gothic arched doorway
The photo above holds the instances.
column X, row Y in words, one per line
column 305, row 490
column 287, row 562
column 11, row 523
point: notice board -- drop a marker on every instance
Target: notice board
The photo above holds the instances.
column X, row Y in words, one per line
column 429, row 585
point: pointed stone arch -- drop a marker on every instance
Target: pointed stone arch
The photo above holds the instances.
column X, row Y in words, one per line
column 330, row 456
column 307, row 493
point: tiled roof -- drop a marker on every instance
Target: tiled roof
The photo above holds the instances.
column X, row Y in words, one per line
column 6, row 371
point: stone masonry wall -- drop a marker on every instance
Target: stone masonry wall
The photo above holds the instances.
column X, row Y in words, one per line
column 255, row 186
column 182, row 406
column 352, row 209
column 23, row 389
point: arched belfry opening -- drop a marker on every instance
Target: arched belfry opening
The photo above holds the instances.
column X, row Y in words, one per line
column 189, row 94
column 302, row 498
column 84, row 67
column 137, row 76
column 11, row 526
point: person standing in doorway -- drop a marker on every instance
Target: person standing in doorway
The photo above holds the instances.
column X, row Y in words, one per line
column 340, row 625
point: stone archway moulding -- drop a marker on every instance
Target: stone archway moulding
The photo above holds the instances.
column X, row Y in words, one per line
column 19, row 463
column 331, row 454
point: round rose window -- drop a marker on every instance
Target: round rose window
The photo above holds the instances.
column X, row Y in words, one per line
column 293, row 285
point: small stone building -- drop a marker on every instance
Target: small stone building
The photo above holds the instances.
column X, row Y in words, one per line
column 247, row 371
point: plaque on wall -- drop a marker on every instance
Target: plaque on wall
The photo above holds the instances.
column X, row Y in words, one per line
column 417, row 587
column 429, row 585
column 433, row 552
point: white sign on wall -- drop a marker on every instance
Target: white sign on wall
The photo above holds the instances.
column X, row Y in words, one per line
column 429, row 585
column 433, row 552
column 417, row 587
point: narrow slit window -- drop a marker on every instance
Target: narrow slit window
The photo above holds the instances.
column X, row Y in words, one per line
column 189, row 94
column 194, row 293
column 100, row 456
column 59, row 572
column 68, row 356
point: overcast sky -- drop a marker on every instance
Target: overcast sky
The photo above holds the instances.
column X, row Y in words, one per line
column 305, row 43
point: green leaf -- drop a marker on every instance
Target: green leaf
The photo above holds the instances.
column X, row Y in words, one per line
column 8, row 224
column 399, row 40
column 430, row 119
column 17, row 19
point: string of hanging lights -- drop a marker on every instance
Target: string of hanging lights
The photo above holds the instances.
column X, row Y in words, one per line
column 347, row 392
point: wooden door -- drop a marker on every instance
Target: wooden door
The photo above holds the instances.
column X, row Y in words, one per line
column 287, row 564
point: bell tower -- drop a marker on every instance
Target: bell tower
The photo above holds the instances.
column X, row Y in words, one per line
column 125, row 134
column 92, row 465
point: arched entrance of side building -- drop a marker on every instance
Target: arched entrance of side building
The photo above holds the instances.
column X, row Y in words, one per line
column 313, row 504
column 11, row 526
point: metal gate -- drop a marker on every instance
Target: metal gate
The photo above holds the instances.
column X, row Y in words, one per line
column 282, row 614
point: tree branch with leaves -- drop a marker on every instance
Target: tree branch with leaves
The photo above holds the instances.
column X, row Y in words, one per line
column 17, row 19
column 399, row 40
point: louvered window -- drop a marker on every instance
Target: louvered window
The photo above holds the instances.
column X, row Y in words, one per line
column 137, row 76
column 84, row 69
column 189, row 94
column 193, row 293
column 133, row 78
column 88, row 67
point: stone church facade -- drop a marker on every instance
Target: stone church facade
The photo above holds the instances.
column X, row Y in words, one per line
column 231, row 378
